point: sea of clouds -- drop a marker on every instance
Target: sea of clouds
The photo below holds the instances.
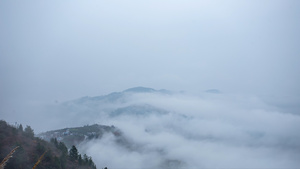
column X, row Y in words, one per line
column 207, row 131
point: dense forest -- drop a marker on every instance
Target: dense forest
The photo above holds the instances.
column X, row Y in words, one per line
column 29, row 151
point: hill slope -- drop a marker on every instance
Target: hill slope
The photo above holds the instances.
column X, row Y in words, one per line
column 76, row 135
column 30, row 148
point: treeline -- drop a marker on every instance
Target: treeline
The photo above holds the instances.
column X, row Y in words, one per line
column 30, row 149
column 73, row 154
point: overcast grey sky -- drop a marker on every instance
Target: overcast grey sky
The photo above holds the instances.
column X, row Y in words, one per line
column 60, row 50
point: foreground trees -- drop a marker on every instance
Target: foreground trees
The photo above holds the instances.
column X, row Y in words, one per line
column 30, row 150
column 73, row 153
column 75, row 156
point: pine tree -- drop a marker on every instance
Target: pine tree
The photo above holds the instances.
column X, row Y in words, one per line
column 86, row 159
column 54, row 141
column 29, row 132
column 20, row 128
column 73, row 153
column 90, row 163
column 63, row 148
column 80, row 161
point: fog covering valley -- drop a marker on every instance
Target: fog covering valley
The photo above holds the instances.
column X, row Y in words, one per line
column 165, row 129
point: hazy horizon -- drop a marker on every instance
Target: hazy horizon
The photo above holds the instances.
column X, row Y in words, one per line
column 61, row 50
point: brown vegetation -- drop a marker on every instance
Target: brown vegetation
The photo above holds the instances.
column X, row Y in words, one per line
column 31, row 151
column 5, row 160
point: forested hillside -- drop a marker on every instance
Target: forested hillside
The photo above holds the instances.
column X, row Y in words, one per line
column 76, row 135
column 30, row 149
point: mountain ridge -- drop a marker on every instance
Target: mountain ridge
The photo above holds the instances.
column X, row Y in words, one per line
column 117, row 96
column 75, row 135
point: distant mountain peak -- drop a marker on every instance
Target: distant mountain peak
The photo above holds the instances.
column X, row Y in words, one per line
column 117, row 96
column 140, row 90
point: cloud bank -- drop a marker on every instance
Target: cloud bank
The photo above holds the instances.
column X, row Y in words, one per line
column 208, row 131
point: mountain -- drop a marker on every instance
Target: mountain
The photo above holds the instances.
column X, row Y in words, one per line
column 138, row 110
column 76, row 135
column 132, row 107
column 89, row 110
column 97, row 136
column 118, row 96
column 140, row 90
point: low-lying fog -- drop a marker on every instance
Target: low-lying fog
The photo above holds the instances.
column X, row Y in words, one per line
column 184, row 131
